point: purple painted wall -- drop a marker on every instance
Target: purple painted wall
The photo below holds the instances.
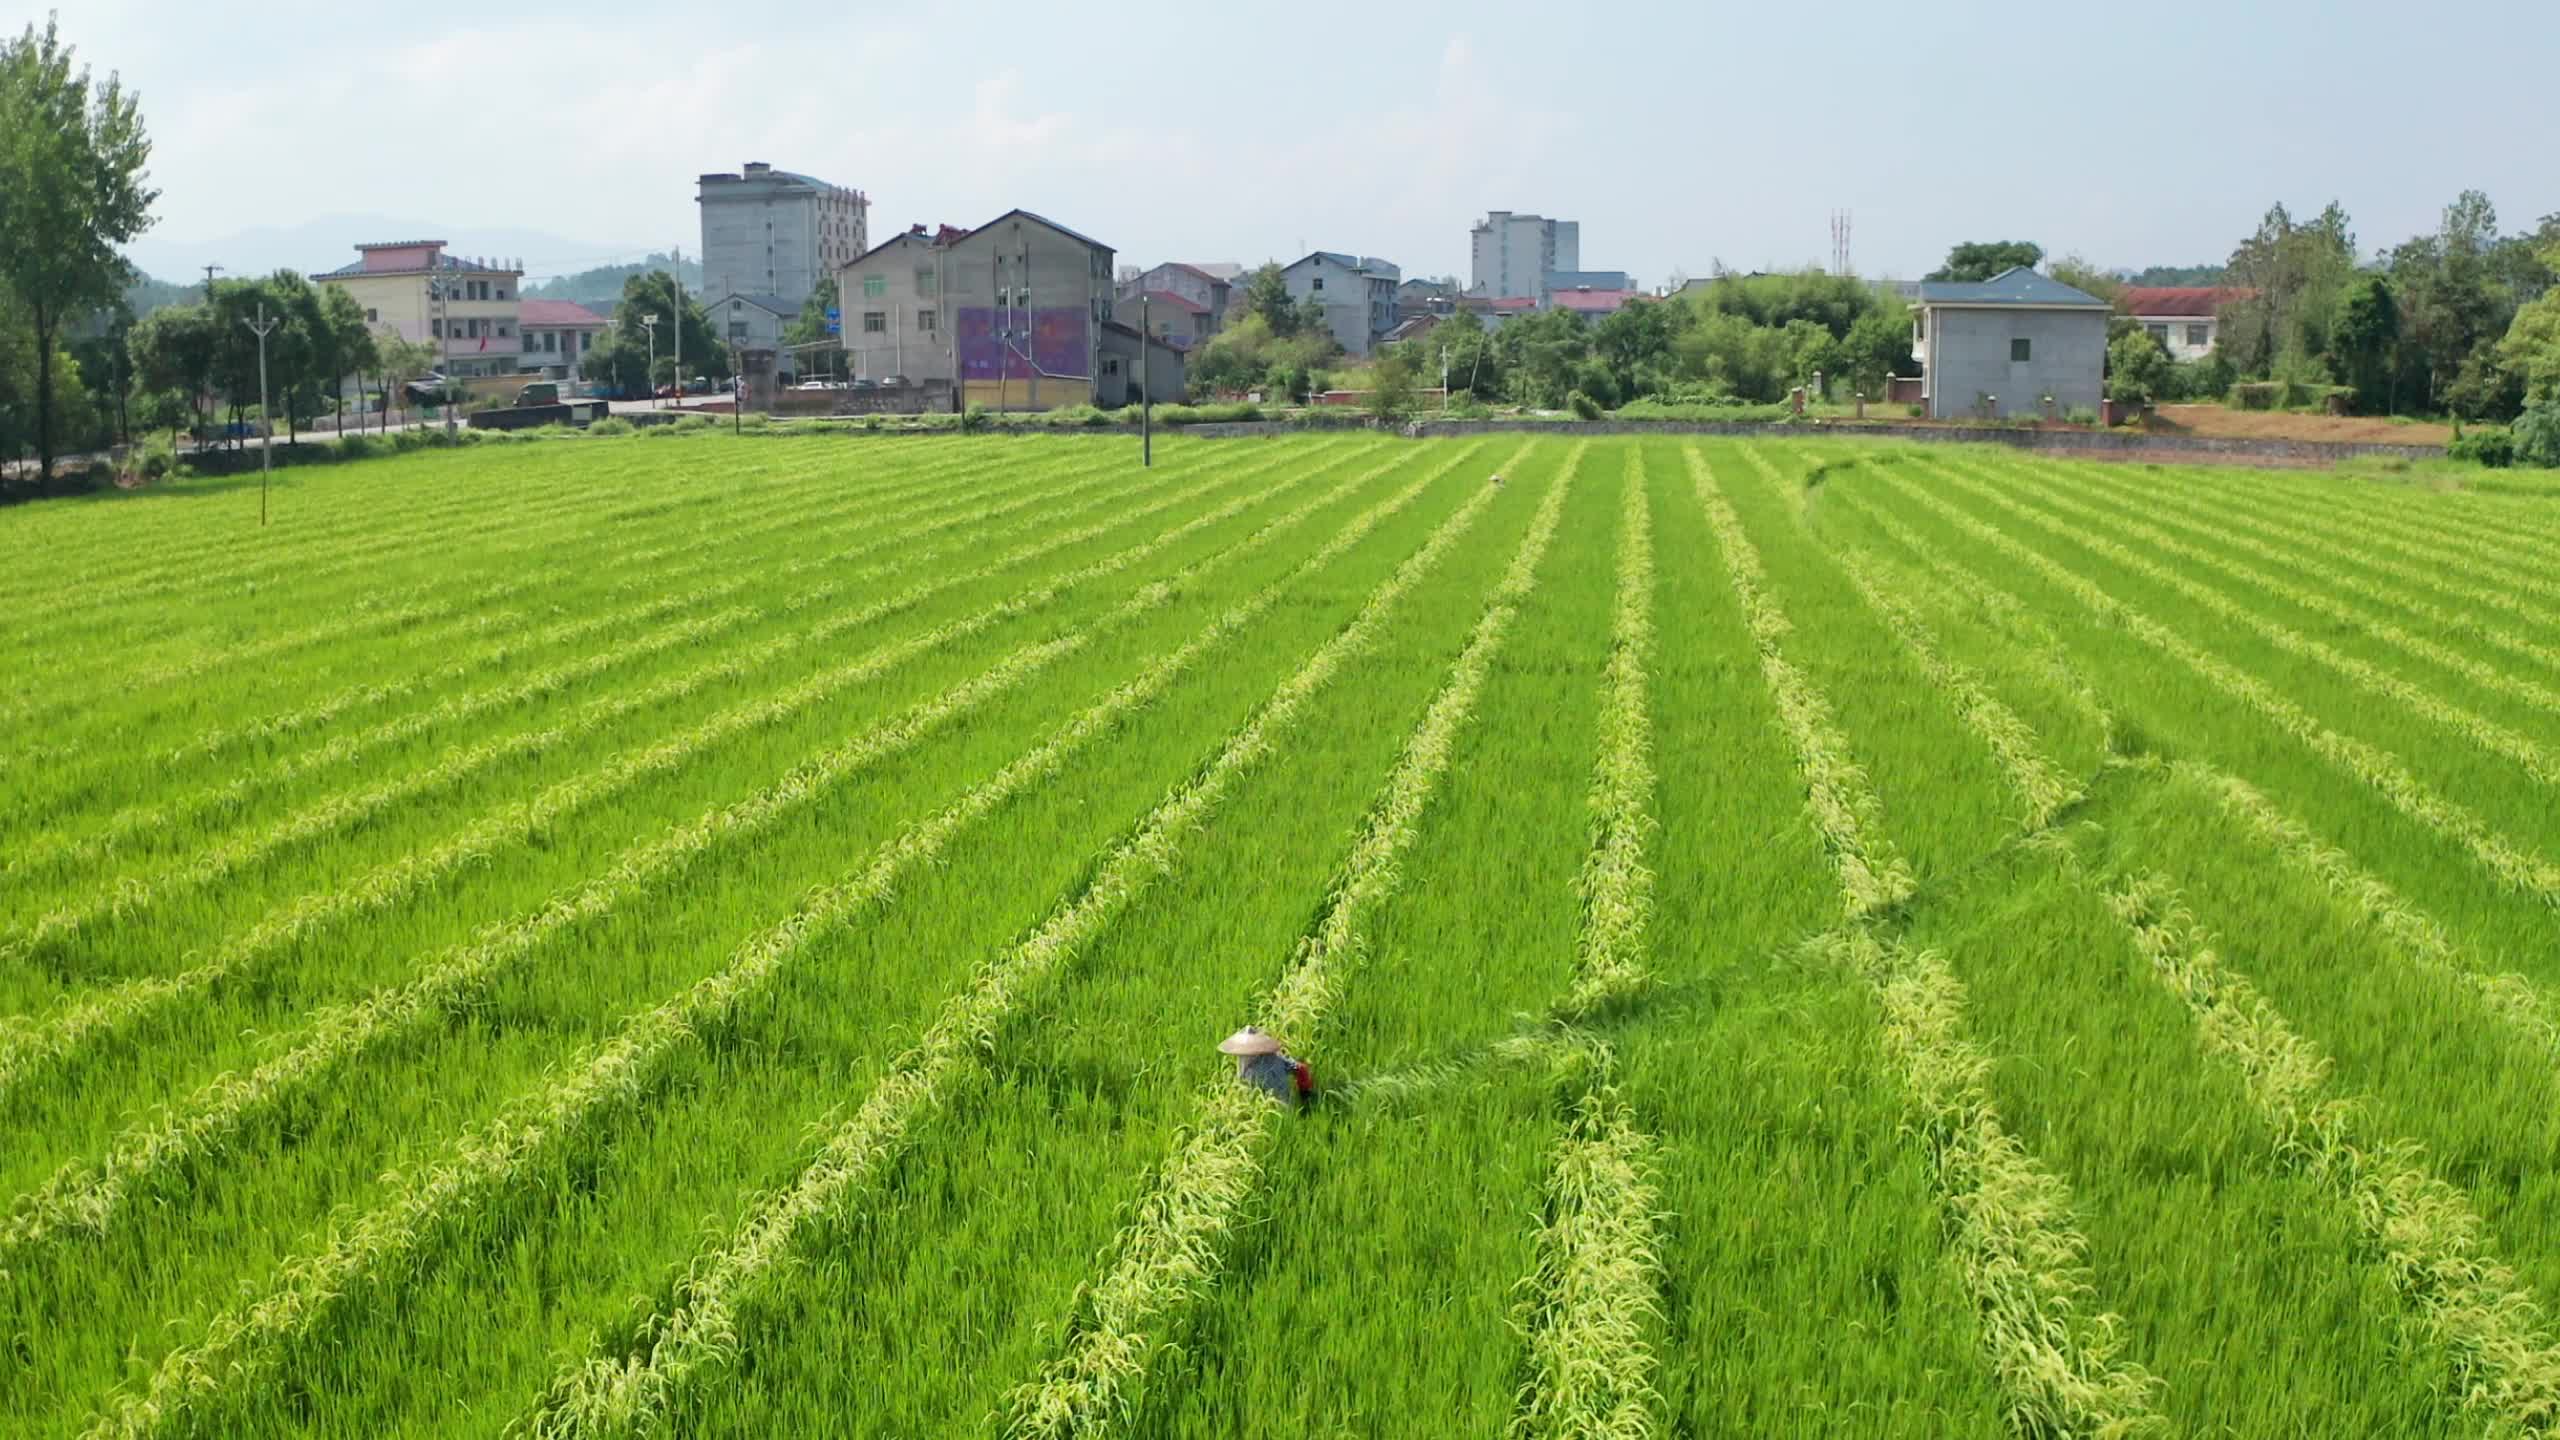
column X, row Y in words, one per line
column 1061, row 340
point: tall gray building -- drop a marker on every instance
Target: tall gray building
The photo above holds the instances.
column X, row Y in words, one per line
column 771, row 233
column 1514, row 254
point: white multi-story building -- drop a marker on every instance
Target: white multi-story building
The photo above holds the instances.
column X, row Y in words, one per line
column 1514, row 254
column 464, row 307
column 771, row 233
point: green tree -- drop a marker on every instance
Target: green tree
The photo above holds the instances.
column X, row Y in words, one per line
column 2139, row 368
column 621, row 360
column 1982, row 259
column 172, row 351
column 71, row 191
column 2298, row 271
column 351, row 346
column 1266, row 293
column 2363, row 338
column 1392, row 384
column 810, row 328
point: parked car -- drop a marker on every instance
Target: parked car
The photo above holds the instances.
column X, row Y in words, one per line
column 540, row 392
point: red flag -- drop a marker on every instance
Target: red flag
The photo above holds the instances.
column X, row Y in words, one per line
column 484, row 342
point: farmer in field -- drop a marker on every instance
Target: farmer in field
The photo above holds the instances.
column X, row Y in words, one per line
column 1262, row 1064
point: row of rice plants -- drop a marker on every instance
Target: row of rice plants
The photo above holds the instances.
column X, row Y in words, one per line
column 85, row 1197
column 2489, row 734
column 2384, row 773
column 2011, row 1228
column 634, row 1381
column 1175, row 1244
column 1440, row 1075
column 341, row 810
column 429, row 1203
column 1592, row 1304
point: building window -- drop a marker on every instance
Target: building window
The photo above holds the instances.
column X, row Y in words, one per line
column 874, row 286
column 1318, row 284
column 2158, row 332
column 371, row 317
column 737, row 329
column 2021, row 351
column 1110, row 367
column 875, row 322
column 924, row 280
column 924, row 321
column 435, row 329
column 2199, row 336
column 503, row 329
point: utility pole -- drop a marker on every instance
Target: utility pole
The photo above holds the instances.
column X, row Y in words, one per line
column 678, row 281
column 440, row 290
column 262, row 327
column 1146, row 388
column 208, row 282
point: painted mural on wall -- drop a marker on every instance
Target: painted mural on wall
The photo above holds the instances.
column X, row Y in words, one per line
column 1060, row 340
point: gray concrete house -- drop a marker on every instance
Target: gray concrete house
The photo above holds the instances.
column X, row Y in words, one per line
column 1999, row 346
column 1358, row 293
column 1027, row 299
column 891, row 297
column 754, row 322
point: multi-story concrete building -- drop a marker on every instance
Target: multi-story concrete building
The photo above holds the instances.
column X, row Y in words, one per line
column 1027, row 300
column 891, row 300
column 768, row 232
column 1196, row 286
column 1514, row 254
column 466, row 308
column 558, row 334
column 1358, row 293
column 1176, row 319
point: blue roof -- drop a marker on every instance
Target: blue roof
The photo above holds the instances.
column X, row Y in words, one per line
column 2016, row 285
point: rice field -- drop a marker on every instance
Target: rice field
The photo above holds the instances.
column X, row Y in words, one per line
column 728, row 937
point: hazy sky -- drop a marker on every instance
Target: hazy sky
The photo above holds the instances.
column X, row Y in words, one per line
column 1677, row 133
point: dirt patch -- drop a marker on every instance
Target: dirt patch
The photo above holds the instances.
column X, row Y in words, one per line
column 2214, row 421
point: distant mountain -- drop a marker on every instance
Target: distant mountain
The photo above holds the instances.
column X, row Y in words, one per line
column 330, row 241
column 602, row 286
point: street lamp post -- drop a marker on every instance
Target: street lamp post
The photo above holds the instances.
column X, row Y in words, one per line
column 650, row 323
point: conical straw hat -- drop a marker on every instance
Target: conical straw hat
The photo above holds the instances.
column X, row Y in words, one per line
column 1249, row 1041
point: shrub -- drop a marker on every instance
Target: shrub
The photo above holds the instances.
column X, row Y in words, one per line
column 2537, row 435
column 2083, row 415
column 975, row 420
column 2488, row 446
column 611, row 425
column 1583, row 406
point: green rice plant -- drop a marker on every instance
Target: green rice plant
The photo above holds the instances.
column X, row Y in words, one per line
column 2423, row 1233
column 86, row 1198
column 244, row 1341
column 608, row 1395
column 2377, row 768
column 1172, row 1249
column 86, row 1019
column 1590, row 1307
column 1873, row 875
column 2412, row 936
column 2490, row 735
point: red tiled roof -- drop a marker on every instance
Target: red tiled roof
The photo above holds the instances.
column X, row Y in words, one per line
column 1167, row 297
column 558, row 314
column 1598, row 302
column 2182, row 300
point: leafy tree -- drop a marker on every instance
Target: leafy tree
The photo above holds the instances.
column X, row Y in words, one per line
column 1266, row 293
column 2531, row 347
column 2298, row 271
column 2455, row 306
column 2363, row 338
column 1877, row 347
column 1982, row 259
column 172, row 351
column 71, row 191
column 1392, row 384
column 621, row 360
column 2138, row 368
column 400, row 361
column 352, row 348
column 810, row 328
